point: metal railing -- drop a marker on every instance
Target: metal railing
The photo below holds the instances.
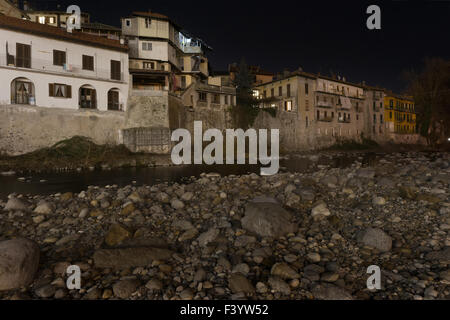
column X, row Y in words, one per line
column 46, row 66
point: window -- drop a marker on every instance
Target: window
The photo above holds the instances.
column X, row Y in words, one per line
column 381, row 119
column 307, row 105
column 148, row 65
column 113, row 100
column 216, row 98
column 288, row 90
column 59, row 57
column 374, row 118
column 88, row 62
column 88, row 97
column 59, row 90
column 42, row 20
column 226, row 99
column 128, row 22
column 390, row 114
column 22, row 91
column 183, row 82
column 148, row 22
column 272, row 92
column 318, row 114
column 307, row 122
column 202, row 96
column 146, row 46
column 307, row 89
column 288, row 105
column 23, row 55
column 115, row 70
column 280, row 91
column 265, row 94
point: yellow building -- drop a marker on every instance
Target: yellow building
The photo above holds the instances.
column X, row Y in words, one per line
column 400, row 114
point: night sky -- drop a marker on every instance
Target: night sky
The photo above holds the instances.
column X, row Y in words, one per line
column 319, row 36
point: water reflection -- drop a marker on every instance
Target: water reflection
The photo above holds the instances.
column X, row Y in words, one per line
column 49, row 183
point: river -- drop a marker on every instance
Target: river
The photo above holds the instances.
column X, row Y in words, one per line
column 50, row 183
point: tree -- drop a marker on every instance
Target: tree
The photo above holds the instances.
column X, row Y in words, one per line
column 431, row 91
column 246, row 109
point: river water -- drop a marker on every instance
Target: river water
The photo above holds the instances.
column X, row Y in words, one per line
column 50, row 183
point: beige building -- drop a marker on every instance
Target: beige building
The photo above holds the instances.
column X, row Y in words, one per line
column 9, row 8
column 319, row 110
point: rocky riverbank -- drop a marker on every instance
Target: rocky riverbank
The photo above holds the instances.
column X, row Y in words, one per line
column 289, row 236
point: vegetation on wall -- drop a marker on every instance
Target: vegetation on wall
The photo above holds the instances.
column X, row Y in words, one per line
column 247, row 108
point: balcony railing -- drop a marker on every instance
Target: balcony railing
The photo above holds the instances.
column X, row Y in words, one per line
column 47, row 66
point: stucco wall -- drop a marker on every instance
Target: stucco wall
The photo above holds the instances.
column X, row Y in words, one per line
column 147, row 108
column 27, row 128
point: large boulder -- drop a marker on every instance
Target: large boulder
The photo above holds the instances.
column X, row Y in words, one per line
column 129, row 257
column 330, row 292
column 376, row 238
column 16, row 204
column 267, row 219
column 19, row 261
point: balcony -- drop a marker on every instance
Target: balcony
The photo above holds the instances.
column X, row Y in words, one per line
column 324, row 104
column 342, row 120
column 216, row 89
column 325, row 119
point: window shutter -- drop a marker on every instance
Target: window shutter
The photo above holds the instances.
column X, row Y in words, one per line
column 68, row 91
column 51, row 90
column 19, row 55
column 27, row 54
column 94, row 98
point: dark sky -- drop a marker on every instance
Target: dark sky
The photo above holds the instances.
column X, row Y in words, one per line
column 319, row 36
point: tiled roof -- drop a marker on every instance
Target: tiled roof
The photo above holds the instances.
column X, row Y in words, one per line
column 98, row 25
column 150, row 14
column 57, row 33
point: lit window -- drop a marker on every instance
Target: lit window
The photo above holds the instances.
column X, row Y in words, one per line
column 42, row 20
column 288, row 105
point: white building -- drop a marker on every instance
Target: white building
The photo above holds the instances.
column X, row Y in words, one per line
column 49, row 67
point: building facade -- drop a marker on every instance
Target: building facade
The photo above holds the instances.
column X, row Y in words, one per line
column 400, row 114
column 169, row 72
column 49, row 67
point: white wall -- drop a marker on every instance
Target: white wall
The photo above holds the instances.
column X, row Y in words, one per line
column 43, row 71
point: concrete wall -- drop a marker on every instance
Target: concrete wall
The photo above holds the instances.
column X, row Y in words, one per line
column 27, row 128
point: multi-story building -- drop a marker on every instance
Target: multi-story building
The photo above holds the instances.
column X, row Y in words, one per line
column 168, row 69
column 257, row 74
column 49, row 67
column 322, row 105
column 9, row 8
column 376, row 128
column 400, row 114
column 54, row 18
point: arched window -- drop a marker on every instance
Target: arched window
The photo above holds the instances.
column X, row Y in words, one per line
column 22, row 91
column 88, row 97
column 113, row 100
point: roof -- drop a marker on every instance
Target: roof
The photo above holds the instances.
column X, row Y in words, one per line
column 154, row 15
column 150, row 15
column 98, row 25
column 54, row 12
column 44, row 30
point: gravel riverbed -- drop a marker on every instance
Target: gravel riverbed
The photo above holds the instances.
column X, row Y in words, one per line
column 305, row 235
